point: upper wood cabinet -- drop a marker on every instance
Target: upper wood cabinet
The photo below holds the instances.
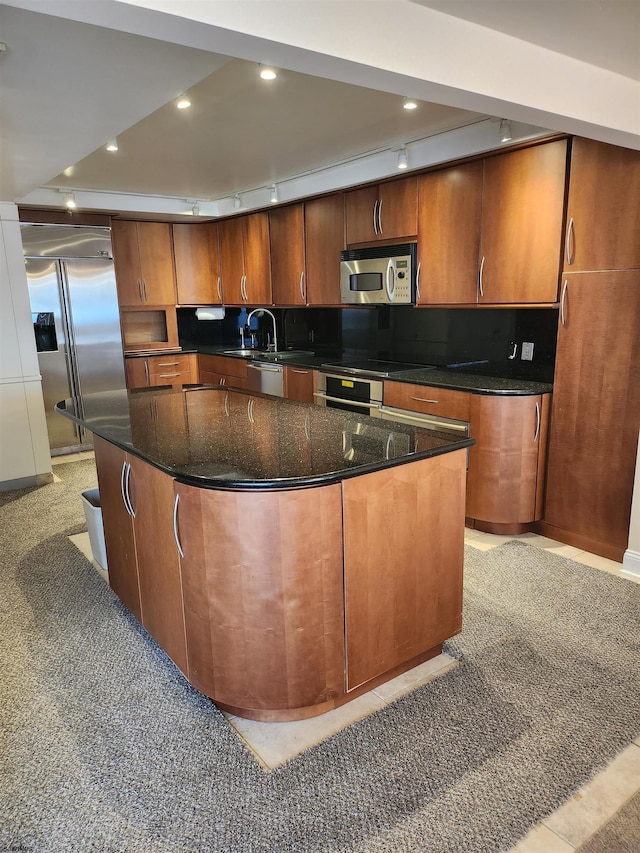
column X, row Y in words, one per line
column 287, row 235
column 245, row 266
column 324, row 240
column 383, row 212
column 143, row 258
column 596, row 412
column 522, row 214
column 603, row 215
column 449, row 215
column 197, row 263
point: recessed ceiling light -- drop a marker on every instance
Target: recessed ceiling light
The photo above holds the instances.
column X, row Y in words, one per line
column 410, row 104
column 183, row 102
column 267, row 73
column 112, row 145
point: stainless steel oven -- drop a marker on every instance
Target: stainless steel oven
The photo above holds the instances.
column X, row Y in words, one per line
column 349, row 393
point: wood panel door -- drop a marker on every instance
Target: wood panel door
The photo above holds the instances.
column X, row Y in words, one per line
column 197, row 264
column 398, row 209
column 126, row 259
column 119, row 539
column 522, row 216
column 152, row 501
column 230, row 234
column 299, row 383
column 288, row 255
column 449, row 212
column 403, row 556
column 257, row 260
column 324, row 240
column 262, row 577
column 156, row 263
column 137, row 372
column 361, row 211
column 596, row 411
column 603, row 215
column 507, row 461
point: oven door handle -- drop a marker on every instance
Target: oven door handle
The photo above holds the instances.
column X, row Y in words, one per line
column 324, row 396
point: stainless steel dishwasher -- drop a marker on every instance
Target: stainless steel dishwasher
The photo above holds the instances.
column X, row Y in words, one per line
column 266, row 378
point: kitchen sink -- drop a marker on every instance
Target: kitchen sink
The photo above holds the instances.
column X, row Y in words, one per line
column 269, row 356
column 244, row 352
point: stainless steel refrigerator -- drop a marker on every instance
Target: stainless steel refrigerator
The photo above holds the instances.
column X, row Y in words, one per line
column 76, row 322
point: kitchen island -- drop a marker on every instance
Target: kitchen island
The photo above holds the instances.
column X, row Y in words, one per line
column 287, row 557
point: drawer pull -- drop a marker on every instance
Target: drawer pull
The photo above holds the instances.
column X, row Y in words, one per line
column 168, row 363
column 167, row 375
column 297, row 370
column 423, row 400
column 176, row 534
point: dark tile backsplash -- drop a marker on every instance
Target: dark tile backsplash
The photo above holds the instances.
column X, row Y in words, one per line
column 487, row 340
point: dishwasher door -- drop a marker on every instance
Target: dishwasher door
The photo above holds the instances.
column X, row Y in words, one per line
column 266, row 378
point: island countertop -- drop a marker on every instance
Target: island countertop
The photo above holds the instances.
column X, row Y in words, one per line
column 219, row 438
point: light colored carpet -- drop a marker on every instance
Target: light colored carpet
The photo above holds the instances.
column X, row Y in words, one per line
column 107, row 748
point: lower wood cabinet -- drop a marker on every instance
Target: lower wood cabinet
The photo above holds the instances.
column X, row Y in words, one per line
column 299, row 384
column 172, row 369
column 222, row 370
column 144, row 567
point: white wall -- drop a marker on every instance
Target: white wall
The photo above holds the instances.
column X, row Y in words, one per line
column 24, row 445
column 631, row 561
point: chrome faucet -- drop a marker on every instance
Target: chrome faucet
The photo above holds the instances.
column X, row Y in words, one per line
column 258, row 312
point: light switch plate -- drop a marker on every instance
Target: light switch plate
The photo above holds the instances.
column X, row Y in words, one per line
column 527, row 351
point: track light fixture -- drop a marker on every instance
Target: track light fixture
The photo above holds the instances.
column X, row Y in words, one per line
column 505, row 130
column 403, row 160
column 237, row 204
column 195, row 210
column 267, row 73
column 112, row 145
column 70, row 201
column 183, row 102
column 274, row 194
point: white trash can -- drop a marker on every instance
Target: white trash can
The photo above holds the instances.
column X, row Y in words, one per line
column 93, row 515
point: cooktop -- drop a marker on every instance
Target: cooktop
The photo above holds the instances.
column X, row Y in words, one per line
column 372, row 367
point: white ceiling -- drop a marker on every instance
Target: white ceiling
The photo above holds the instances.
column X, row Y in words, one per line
column 83, row 73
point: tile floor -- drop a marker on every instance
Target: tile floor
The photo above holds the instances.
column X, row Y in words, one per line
column 562, row 832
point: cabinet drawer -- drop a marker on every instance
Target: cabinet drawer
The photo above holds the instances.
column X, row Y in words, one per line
column 427, row 399
column 223, row 364
column 207, row 377
column 164, row 370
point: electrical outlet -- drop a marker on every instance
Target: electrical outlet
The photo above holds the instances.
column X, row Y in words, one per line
column 527, row 351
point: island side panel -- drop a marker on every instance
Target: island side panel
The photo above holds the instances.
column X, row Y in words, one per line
column 263, row 596
column 403, row 560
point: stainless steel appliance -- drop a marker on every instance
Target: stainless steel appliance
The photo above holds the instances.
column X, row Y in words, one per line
column 379, row 275
column 74, row 306
column 265, row 377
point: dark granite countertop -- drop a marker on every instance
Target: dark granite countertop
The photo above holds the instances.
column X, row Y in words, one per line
column 214, row 437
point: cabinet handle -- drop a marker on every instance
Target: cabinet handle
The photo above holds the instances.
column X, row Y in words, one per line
column 223, row 380
column 144, row 288
column 418, row 282
column 127, row 491
column 375, row 213
column 297, row 370
column 146, row 371
column 250, row 410
column 480, row 282
column 168, row 363
column 568, row 242
column 562, row 301
column 537, row 432
column 423, row 400
column 167, row 375
column 380, row 216
column 302, row 285
column 175, row 525
column 226, row 404
column 122, row 489
column 219, row 288
column 140, row 290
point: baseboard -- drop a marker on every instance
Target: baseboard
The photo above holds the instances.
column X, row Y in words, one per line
column 578, row 540
column 26, row 482
column 631, row 564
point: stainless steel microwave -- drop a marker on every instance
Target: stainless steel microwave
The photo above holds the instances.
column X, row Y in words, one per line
column 380, row 275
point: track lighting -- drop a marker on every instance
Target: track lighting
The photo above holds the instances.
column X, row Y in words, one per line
column 274, row 194
column 267, row 73
column 70, row 201
column 183, row 102
column 112, row 145
column 195, row 210
column 237, row 204
column 505, row 130
column 409, row 104
column 403, row 160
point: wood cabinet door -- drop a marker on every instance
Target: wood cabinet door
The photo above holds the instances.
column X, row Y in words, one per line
column 361, row 211
column 449, row 212
column 324, row 240
column 126, row 259
column 287, row 255
column 502, row 482
column 299, row 384
column 118, row 524
column 264, row 612
column 522, row 215
column 398, row 209
column 173, row 369
column 152, row 500
column 156, row 263
column 257, row 260
column 603, row 215
column 137, row 372
column 231, row 259
column 197, row 263
column 402, row 562
column 596, row 409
